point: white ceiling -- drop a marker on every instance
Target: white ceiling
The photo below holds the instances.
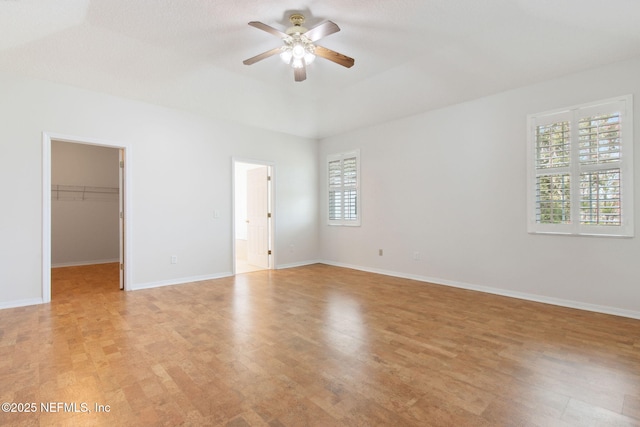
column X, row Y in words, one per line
column 411, row 55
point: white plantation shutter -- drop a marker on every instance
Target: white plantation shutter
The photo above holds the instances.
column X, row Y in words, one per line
column 553, row 201
column 580, row 169
column 553, row 145
column 344, row 188
column 553, row 181
column 599, row 140
column 335, row 190
column 600, row 198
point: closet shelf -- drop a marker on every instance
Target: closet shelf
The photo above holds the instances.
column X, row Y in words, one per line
column 83, row 192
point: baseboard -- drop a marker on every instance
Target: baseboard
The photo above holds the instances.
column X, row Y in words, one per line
column 298, row 264
column 81, row 263
column 496, row 291
column 20, row 303
column 180, row 281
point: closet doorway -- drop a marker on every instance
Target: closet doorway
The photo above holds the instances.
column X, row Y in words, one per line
column 253, row 216
column 84, row 207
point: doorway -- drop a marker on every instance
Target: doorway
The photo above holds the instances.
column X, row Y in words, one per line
column 63, row 192
column 253, row 216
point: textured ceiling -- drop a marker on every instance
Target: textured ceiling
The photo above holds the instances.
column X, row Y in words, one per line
column 411, row 55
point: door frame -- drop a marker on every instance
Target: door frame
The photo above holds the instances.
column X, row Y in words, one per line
column 272, row 204
column 47, row 137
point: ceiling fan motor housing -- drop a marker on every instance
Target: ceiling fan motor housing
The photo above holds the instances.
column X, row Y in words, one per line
column 296, row 19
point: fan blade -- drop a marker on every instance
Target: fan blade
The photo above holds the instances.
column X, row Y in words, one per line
column 300, row 74
column 262, row 56
column 268, row 29
column 322, row 30
column 334, row 56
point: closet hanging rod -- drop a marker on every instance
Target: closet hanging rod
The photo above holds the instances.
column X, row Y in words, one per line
column 84, row 192
column 85, row 189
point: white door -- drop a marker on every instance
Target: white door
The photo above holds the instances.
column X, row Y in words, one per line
column 121, row 210
column 258, row 217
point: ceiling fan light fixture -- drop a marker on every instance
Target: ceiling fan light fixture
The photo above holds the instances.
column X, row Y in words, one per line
column 309, row 57
column 297, row 51
column 286, row 55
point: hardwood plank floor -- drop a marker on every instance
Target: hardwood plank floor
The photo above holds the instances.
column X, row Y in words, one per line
column 312, row 346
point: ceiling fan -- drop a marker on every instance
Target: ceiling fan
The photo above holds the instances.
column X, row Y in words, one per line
column 299, row 49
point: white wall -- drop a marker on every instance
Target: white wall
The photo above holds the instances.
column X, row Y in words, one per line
column 84, row 230
column 451, row 185
column 241, row 201
column 180, row 173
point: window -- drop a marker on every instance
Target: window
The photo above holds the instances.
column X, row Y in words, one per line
column 580, row 170
column 343, row 172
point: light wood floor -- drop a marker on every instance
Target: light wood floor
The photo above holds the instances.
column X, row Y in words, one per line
column 243, row 266
column 314, row 345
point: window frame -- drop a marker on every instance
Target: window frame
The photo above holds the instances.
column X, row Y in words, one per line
column 576, row 168
column 357, row 187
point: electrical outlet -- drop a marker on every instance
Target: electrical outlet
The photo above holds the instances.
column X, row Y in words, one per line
column 379, row 252
column 416, row 256
column 174, row 259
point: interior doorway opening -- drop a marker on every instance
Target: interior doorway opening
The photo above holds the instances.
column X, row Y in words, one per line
column 86, row 203
column 116, row 193
column 253, row 216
